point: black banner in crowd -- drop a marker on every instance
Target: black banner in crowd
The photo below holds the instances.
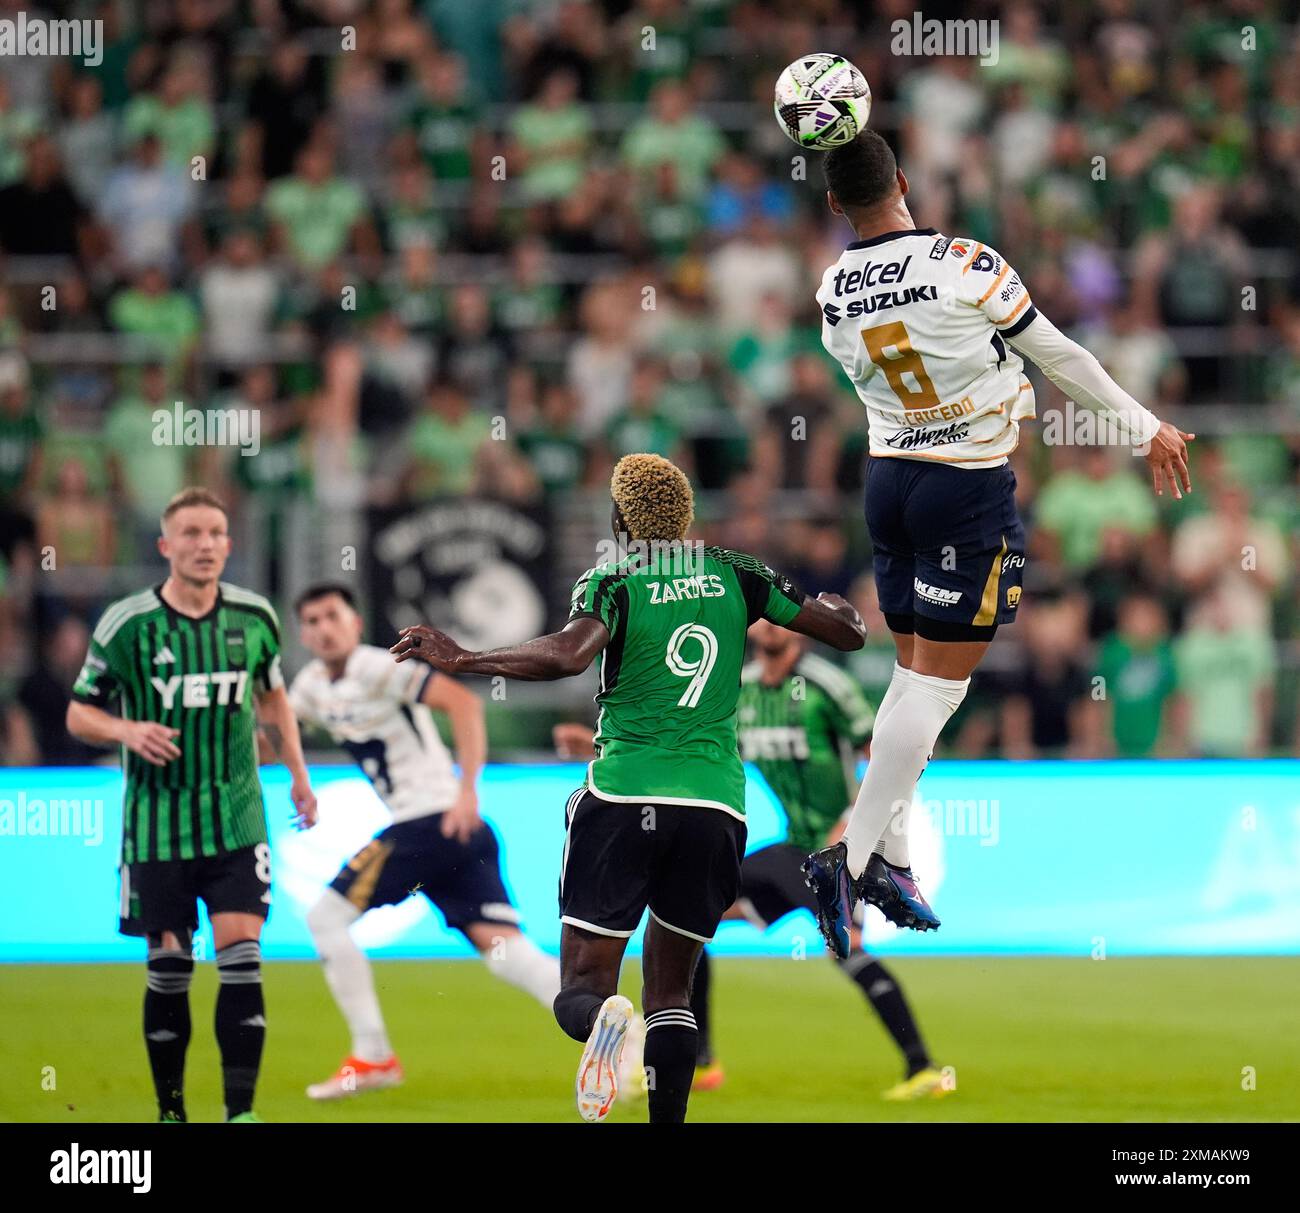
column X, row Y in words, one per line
column 474, row 568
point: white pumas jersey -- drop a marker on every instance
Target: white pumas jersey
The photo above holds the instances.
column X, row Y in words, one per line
column 919, row 322
column 374, row 712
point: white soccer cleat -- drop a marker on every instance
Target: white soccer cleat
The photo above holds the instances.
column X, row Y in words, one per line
column 598, row 1071
column 631, row 1069
column 355, row 1076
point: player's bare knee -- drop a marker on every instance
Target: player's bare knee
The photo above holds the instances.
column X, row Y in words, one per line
column 169, row 963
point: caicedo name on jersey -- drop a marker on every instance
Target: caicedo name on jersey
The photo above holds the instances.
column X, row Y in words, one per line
column 849, row 282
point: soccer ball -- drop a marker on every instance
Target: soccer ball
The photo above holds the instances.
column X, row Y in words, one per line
column 822, row 101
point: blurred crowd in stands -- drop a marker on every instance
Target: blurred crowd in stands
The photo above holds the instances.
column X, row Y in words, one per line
column 451, row 248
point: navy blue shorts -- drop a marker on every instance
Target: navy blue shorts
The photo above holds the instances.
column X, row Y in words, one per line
column 947, row 542
column 463, row 879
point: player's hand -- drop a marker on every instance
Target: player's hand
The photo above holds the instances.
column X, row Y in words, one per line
column 429, row 645
column 838, row 603
column 153, row 742
column 462, row 819
column 1167, row 458
column 304, row 801
column 573, row 740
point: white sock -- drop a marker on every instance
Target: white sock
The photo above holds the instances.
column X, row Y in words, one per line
column 514, row 958
column 899, row 751
column 893, row 693
column 347, row 972
column 893, row 846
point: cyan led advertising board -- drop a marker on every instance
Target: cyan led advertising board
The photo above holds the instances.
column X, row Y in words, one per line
column 1050, row 857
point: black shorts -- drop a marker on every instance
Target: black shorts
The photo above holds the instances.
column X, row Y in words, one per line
column 163, row 894
column 463, row 879
column 771, row 881
column 680, row 860
column 947, row 543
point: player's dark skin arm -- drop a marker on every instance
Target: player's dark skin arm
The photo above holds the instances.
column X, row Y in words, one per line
column 832, row 620
column 557, row 655
column 828, row 618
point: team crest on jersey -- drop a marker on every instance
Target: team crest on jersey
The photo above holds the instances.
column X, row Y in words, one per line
column 235, row 644
column 1013, row 596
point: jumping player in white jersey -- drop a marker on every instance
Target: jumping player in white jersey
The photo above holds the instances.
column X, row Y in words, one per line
column 929, row 329
column 380, row 713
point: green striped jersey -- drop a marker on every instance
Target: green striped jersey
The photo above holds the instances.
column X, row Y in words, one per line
column 803, row 734
column 199, row 676
column 677, row 617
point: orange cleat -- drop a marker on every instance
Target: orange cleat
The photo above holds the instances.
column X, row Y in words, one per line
column 708, row 1078
column 355, row 1076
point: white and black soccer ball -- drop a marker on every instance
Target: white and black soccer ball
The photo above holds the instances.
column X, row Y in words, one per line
column 822, row 101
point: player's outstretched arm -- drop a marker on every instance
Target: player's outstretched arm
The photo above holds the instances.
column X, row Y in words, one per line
column 1081, row 377
column 464, row 710
column 557, row 655
column 281, row 726
column 832, row 620
column 152, row 742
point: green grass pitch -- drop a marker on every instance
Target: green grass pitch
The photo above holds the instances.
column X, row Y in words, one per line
column 1031, row 1038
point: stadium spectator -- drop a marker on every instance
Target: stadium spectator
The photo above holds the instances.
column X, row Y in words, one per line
column 43, row 698
column 1049, row 710
column 163, row 319
column 317, row 216
column 672, row 131
column 1080, row 502
column 40, row 215
column 145, row 204
column 552, row 444
column 550, row 138
column 178, row 115
column 22, row 430
column 1137, row 664
column 75, row 521
column 145, row 473
column 1226, row 673
column 239, row 294
column 1234, row 554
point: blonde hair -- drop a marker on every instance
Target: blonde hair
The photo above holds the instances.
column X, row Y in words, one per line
column 193, row 496
column 653, row 496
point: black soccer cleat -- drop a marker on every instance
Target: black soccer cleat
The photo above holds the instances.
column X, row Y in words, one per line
column 895, row 893
column 826, row 873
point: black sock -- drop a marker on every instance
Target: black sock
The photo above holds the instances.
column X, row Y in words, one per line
column 700, row 1009
column 670, row 1049
column 167, row 1026
column 575, row 1011
column 240, row 1022
column 878, row 984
